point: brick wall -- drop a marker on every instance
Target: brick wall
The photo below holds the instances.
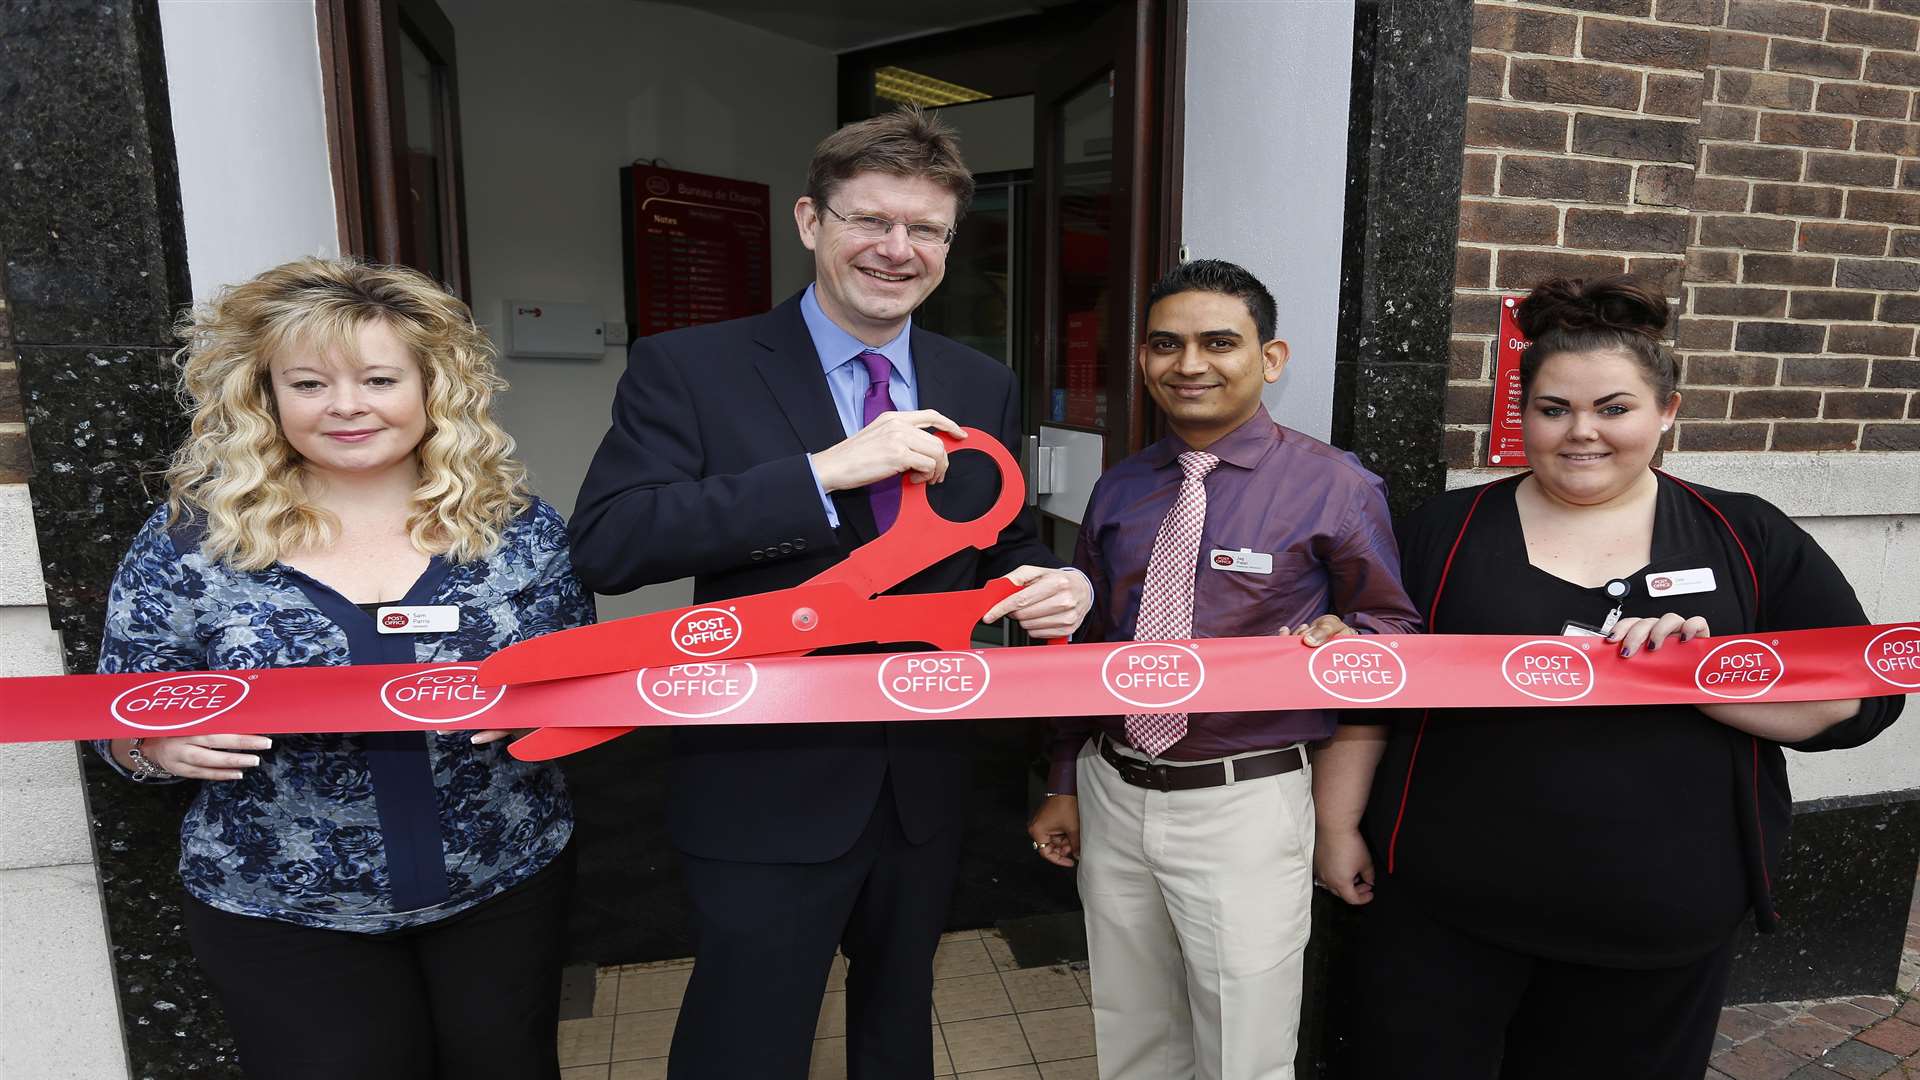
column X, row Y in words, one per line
column 1758, row 158
column 14, row 463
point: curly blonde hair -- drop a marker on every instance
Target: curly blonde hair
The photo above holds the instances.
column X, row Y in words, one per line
column 239, row 471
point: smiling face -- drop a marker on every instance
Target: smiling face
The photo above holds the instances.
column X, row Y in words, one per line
column 869, row 285
column 357, row 414
column 1592, row 424
column 1205, row 364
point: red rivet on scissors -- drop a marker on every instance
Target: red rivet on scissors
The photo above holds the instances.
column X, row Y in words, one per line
column 805, row 619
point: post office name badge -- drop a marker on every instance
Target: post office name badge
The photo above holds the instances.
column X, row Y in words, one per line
column 418, row 619
column 1680, row 582
column 1244, row 561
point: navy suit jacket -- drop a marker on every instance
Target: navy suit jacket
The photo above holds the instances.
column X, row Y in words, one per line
column 704, row 474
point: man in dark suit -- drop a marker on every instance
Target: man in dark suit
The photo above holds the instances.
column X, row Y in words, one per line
column 752, row 455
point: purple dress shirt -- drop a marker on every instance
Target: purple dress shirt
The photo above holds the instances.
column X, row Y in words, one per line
column 1315, row 509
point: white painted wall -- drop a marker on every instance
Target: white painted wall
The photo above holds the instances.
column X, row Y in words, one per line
column 249, row 125
column 553, row 102
column 1265, row 171
column 1864, row 510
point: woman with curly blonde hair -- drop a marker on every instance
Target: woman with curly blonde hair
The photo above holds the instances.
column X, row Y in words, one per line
column 376, row 905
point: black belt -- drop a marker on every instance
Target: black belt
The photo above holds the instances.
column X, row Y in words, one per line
column 1161, row 776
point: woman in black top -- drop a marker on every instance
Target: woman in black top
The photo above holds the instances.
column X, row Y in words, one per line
column 1562, row 884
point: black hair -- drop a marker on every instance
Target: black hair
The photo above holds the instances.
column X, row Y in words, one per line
column 1617, row 313
column 1220, row 276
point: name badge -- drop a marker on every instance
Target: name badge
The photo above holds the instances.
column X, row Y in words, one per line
column 1244, row 561
column 1680, row 582
column 426, row 619
column 1580, row 629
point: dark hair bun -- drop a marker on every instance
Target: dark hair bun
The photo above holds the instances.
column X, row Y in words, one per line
column 1621, row 303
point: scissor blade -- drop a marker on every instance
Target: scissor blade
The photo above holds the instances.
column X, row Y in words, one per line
column 548, row 743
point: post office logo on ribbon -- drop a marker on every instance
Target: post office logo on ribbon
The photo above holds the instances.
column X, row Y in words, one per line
column 1153, row 674
column 1894, row 656
column 698, row 691
column 1357, row 669
column 179, row 701
column 707, row 631
column 934, row 682
column 441, row 695
column 1739, row 669
column 1549, row 670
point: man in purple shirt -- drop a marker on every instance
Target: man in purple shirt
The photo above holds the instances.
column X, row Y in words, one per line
column 1194, row 834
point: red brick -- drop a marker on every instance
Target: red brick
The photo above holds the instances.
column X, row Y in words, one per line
column 1895, row 1036
column 1486, row 74
column 1803, row 1036
column 1640, row 43
column 1612, row 230
column 1806, row 129
column 1729, row 122
column 1461, row 448
column 1636, row 137
column 1748, row 233
column 1663, row 185
column 1837, row 239
column 1779, row 337
column 1708, row 300
column 1729, row 49
column 1710, row 266
column 16, row 459
column 1705, row 404
column 1890, row 275
column 1517, row 129
column 1862, row 405
column 1696, row 12
column 1476, row 174
column 1664, row 273
column 1885, row 137
column 1892, row 437
column 1832, row 304
column 1910, row 1012
column 1896, row 68
column 1525, row 269
column 1563, row 178
column 1520, row 30
column 1823, row 371
column 1468, row 360
column 1809, row 437
column 1898, row 208
column 1763, row 90
column 1871, row 341
column 1708, row 335
column 1906, row 244
column 1857, row 170
column 1715, row 194
column 1674, row 95
column 1786, row 270
column 1860, row 28
column 1700, row 435
column 1476, row 313
column 1471, row 404
column 1509, row 223
column 1472, row 267
column 1567, row 82
column 1776, row 17
column 1884, row 1006
column 1758, row 162
column 1892, row 375
column 1910, row 174
column 1858, row 100
column 1776, row 404
column 1731, row 371
column 1806, row 58
column 1900, row 308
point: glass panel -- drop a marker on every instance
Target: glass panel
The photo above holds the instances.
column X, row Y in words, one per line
column 421, row 87
column 974, row 303
column 1077, row 377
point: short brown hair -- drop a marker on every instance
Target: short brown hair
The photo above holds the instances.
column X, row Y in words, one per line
column 905, row 142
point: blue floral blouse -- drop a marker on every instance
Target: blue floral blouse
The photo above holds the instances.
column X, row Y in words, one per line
column 359, row 832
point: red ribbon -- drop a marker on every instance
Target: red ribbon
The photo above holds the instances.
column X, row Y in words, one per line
column 1208, row 675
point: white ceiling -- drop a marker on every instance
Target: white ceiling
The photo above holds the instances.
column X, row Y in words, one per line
column 843, row 25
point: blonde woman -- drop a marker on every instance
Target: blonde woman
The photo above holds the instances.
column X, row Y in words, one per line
column 367, row 906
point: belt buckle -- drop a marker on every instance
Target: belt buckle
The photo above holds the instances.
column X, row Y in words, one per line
column 1157, row 776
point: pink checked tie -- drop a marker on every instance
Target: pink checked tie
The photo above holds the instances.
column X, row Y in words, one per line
column 883, row 496
column 1166, row 600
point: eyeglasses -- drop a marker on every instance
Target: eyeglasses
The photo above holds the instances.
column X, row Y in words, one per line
column 922, row 233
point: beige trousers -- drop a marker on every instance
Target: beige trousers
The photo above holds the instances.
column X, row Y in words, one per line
column 1197, row 906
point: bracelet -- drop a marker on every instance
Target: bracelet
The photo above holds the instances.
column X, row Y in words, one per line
column 145, row 770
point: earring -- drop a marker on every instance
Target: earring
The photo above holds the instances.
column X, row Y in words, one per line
column 1666, row 428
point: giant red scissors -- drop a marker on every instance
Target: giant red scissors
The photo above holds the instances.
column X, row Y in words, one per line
column 839, row 606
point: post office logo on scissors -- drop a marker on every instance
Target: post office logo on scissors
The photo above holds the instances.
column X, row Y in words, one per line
column 707, row 631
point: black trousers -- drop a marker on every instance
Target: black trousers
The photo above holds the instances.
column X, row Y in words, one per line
column 471, row 997
column 1432, row 1003
column 764, row 935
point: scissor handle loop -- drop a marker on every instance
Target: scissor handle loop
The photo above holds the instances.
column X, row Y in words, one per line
column 982, row 531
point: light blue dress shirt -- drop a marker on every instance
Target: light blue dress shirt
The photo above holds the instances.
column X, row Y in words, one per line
column 847, row 382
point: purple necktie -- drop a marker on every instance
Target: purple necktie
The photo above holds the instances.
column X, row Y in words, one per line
column 883, row 495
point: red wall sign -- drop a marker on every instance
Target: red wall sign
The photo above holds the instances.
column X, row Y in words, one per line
column 697, row 248
column 1504, row 446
